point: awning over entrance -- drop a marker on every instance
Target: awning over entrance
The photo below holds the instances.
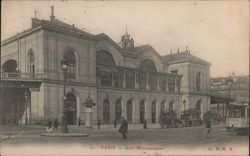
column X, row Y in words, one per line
column 220, row 98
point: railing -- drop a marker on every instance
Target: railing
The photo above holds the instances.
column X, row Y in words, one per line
column 15, row 75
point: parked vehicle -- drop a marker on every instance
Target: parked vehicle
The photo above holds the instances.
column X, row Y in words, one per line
column 191, row 117
column 168, row 119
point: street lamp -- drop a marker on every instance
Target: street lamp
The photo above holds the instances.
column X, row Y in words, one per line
column 26, row 107
column 184, row 104
column 64, row 64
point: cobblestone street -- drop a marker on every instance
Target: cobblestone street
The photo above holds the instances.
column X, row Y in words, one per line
column 107, row 139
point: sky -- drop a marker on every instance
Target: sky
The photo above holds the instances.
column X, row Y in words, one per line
column 216, row 31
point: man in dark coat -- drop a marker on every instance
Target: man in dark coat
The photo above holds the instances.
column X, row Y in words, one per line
column 145, row 124
column 124, row 128
column 208, row 125
column 98, row 123
column 55, row 123
column 79, row 121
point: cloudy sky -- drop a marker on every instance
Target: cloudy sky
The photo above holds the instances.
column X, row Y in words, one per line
column 216, row 31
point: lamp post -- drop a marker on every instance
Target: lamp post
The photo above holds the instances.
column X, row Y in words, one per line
column 64, row 64
column 26, row 107
column 184, row 104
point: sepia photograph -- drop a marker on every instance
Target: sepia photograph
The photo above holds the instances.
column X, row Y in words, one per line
column 125, row 78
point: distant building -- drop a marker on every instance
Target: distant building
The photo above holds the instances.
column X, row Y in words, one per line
column 122, row 79
column 236, row 87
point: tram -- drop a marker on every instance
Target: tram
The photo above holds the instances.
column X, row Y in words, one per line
column 237, row 119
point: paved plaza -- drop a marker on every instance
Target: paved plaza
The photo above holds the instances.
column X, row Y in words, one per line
column 108, row 139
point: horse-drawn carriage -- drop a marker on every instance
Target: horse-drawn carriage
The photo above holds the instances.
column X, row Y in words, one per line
column 168, row 119
column 191, row 117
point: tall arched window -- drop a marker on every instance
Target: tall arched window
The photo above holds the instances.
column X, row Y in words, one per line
column 118, row 110
column 198, row 106
column 171, row 105
column 104, row 58
column 148, row 65
column 129, row 111
column 142, row 111
column 198, row 82
column 10, row 67
column 31, row 59
column 163, row 105
column 71, row 61
column 106, row 111
column 154, row 112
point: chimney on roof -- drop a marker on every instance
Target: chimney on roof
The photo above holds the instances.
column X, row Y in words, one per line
column 186, row 48
column 178, row 51
column 52, row 17
column 171, row 52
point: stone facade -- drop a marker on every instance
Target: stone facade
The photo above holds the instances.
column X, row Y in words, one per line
column 121, row 80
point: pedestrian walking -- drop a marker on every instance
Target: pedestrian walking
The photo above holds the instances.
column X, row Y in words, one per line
column 145, row 124
column 79, row 121
column 124, row 128
column 114, row 123
column 99, row 123
column 208, row 126
column 55, row 123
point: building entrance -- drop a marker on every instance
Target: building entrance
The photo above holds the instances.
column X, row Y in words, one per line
column 71, row 109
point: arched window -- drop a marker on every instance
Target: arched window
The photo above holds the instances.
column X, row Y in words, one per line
column 148, row 65
column 154, row 112
column 106, row 111
column 198, row 106
column 71, row 62
column 31, row 59
column 142, row 111
column 198, row 82
column 104, row 58
column 171, row 105
column 118, row 110
column 10, row 67
column 163, row 105
column 129, row 111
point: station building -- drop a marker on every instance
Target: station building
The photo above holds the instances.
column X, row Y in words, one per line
column 124, row 80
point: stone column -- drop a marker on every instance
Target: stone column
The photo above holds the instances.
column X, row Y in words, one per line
column 147, row 82
column 158, row 107
column 148, row 112
column 124, row 80
column 136, row 81
column 167, row 84
column 223, row 109
column 112, row 79
column 175, row 85
column 158, row 83
column 218, row 106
